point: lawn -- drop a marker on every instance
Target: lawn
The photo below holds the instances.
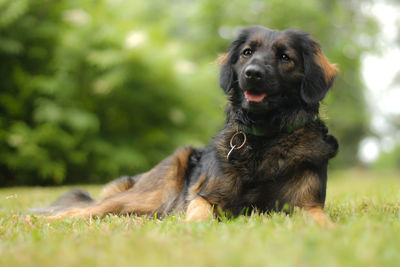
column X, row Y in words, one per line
column 364, row 206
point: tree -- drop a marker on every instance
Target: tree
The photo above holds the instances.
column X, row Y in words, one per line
column 108, row 88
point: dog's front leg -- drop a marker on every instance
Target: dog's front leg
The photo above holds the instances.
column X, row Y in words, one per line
column 318, row 214
column 307, row 192
column 199, row 209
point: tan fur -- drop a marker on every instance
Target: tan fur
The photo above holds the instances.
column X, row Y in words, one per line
column 330, row 70
column 194, row 189
column 289, row 66
column 151, row 193
column 317, row 214
column 299, row 192
column 125, row 203
column 199, row 209
column 283, row 41
column 258, row 40
column 223, row 58
column 115, row 187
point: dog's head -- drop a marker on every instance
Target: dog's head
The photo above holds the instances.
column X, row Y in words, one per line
column 268, row 68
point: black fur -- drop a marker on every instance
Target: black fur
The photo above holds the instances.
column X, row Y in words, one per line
column 314, row 86
column 274, row 81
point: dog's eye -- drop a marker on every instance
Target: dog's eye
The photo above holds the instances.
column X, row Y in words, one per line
column 285, row 57
column 247, row 52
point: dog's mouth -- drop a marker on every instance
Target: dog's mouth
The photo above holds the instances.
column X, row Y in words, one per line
column 256, row 97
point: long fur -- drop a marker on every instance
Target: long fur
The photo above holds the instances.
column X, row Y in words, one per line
column 285, row 164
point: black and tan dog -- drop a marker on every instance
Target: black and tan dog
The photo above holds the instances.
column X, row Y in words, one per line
column 272, row 151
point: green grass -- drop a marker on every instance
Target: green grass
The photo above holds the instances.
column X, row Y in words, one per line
column 365, row 208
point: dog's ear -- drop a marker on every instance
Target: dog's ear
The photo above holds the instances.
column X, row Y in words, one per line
column 319, row 73
column 226, row 77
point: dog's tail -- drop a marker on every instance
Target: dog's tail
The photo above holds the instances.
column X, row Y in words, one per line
column 76, row 198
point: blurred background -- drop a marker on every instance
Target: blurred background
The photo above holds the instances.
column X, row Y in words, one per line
column 91, row 90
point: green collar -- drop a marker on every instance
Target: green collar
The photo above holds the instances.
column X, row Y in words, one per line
column 253, row 130
column 257, row 132
column 293, row 127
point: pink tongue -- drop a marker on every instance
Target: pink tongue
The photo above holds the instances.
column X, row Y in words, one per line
column 252, row 97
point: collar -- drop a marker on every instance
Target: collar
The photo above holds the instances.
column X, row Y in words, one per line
column 253, row 130
column 289, row 129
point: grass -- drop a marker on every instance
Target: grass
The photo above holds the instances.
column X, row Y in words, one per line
column 365, row 208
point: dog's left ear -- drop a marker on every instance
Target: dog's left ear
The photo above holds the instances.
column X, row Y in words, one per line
column 226, row 76
column 319, row 73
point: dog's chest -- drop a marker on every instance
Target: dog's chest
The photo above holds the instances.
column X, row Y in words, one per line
column 263, row 170
column 261, row 159
column 271, row 158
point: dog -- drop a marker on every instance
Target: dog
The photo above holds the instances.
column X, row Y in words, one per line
column 272, row 152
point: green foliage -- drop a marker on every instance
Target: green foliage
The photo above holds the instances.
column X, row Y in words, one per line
column 388, row 160
column 363, row 206
column 96, row 89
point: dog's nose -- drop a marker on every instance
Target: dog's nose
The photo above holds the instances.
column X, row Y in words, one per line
column 254, row 72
